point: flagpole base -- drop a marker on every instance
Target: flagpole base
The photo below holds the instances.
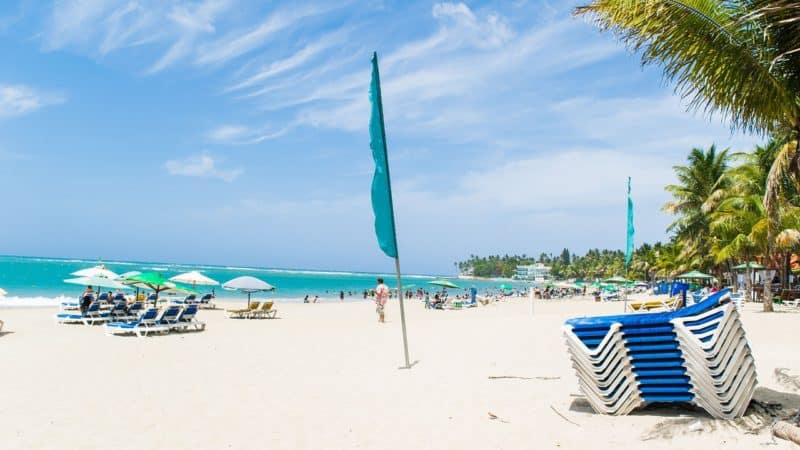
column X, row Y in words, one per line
column 408, row 367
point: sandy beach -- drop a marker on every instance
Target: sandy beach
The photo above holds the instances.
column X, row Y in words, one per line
column 326, row 376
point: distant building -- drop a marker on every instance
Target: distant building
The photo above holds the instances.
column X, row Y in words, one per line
column 533, row 272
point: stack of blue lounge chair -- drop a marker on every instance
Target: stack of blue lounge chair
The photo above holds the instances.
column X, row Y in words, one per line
column 695, row 355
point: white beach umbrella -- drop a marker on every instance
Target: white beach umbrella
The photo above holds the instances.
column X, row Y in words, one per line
column 248, row 285
column 194, row 278
column 96, row 271
column 97, row 281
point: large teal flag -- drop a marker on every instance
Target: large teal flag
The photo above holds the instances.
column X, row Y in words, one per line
column 381, row 181
column 629, row 246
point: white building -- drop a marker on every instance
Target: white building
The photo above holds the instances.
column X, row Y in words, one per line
column 534, row 272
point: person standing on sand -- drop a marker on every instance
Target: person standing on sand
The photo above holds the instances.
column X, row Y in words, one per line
column 381, row 297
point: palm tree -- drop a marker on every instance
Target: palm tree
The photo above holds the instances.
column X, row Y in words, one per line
column 740, row 224
column 698, row 181
column 740, row 220
column 739, row 59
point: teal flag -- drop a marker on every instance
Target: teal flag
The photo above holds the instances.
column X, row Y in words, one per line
column 381, row 182
column 629, row 246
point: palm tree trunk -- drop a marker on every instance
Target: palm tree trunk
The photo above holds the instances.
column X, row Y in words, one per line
column 749, row 281
column 734, row 278
column 787, row 260
column 767, row 278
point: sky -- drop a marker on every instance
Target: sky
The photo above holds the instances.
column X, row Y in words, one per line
column 236, row 131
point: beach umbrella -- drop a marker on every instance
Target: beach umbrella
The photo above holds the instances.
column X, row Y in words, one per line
column 180, row 289
column 617, row 280
column 96, row 271
column 97, row 281
column 248, row 285
column 149, row 280
column 194, row 278
column 504, row 287
column 695, row 275
column 3, row 292
column 749, row 265
column 443, row 283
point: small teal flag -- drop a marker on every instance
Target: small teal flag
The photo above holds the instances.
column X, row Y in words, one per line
column 382, row 205
column 629, row 246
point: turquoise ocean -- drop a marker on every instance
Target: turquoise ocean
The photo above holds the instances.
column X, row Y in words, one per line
column 35, row 281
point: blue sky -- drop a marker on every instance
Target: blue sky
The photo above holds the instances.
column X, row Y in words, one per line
column 235, row 131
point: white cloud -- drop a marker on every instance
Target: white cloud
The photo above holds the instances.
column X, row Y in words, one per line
column 201, row 165
column 238, row 43
column 16, row 100
column 291, row 62
column 490, row 33
column 242, row 135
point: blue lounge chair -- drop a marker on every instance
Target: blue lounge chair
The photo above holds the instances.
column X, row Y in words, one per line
column 187, row 318
column 142, row 327
column 697, row 354
column 135, row 309
column 91, row 316
column 169, row 316
column 205, row 302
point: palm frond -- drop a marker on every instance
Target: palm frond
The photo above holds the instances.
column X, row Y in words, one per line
column 718, row 58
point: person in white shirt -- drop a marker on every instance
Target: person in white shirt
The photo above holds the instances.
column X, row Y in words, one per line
column 381, row 297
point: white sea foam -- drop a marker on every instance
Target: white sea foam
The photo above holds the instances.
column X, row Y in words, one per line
column 27, row 302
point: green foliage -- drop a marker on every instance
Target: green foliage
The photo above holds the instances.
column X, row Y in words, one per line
column 594, row 264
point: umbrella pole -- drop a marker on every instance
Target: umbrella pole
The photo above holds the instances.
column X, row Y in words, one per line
column 248, row 300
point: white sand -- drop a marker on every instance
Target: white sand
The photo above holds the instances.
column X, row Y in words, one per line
column 326, row 376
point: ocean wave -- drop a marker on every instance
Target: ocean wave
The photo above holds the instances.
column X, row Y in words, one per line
column 24, row 302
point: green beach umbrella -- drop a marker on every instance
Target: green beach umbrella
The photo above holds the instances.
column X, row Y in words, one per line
column 749, row 265
column 444, row 283
column 695, row 275
column 149, row 280
column 504, row 287
column 617, row 280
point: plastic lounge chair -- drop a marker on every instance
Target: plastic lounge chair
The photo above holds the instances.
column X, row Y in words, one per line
column 242, row 313
column 120, row 312
column 205, row 302
column 187, row 319
column 265, row 311
column 135, row 309
column 669, row 304
column 169, row 316
column 91, row 316
column 142, row 327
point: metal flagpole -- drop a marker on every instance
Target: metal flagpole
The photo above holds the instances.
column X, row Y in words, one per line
column 391, row 210
column 402, row 311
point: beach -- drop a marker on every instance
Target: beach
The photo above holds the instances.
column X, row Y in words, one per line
column 327, row 375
